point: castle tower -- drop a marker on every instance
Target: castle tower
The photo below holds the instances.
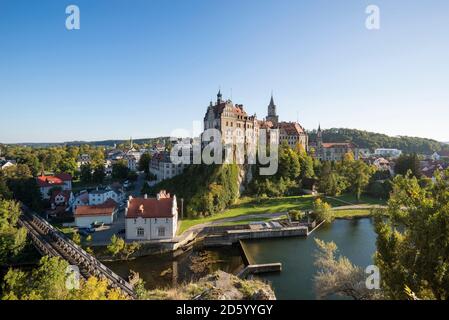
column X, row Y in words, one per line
column 272, row 116
column 319, row 137
column 219, row 97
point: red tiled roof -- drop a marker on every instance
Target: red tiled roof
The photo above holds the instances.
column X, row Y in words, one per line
column 48, row 181
column 150, row 208
column 291, row 128
column 105, row 209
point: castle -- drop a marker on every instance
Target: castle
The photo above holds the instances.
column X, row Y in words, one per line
column 237, row 126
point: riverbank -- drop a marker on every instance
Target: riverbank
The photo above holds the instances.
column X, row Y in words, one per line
column 251, row 209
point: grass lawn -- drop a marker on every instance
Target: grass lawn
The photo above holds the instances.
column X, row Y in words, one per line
column 66, row 230
column 351, row 213
column 352, row 199
column 250, row 206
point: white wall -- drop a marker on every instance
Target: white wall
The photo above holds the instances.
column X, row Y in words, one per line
column 150, row 226
column 86, row 221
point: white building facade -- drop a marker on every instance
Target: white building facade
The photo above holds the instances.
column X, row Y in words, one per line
column 151, row 219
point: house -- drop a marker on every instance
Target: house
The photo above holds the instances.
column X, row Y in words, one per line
column 83, row 159
column 82, row 199
column 163, row 168
column 98, row 197
column 46, row 183
column 382, row 164
column 390, row 153
column 6, row 164
column 151, row 218
column 62, row 198
column 132, row 162
column 105, row 213
column 444, row 154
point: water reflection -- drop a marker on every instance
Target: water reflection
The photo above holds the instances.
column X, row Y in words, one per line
column 161, row 271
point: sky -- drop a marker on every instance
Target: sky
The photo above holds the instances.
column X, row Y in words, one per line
column 145, row 68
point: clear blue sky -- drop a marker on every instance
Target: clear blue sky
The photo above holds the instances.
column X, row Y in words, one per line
column 144, row 68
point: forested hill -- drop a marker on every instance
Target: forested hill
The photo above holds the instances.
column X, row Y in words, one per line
column 371, row 140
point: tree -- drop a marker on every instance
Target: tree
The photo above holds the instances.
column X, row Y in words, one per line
column 360, row 177
column 98, row 174
column 408, row 162
column 144, row 162
column 331, row 182
column 86, row 173
column 49, row 282
column 67, row 165
column 413, row 238
column 338, row 276
column 120, row 170
column 12, row 238
column 76, row 237
column 322, row 211
column 118, row 246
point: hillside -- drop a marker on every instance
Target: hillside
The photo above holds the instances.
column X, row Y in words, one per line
column 207, row 189
column 104, row 143
column 372, row 140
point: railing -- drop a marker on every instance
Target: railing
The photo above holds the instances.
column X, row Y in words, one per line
column 61, row 246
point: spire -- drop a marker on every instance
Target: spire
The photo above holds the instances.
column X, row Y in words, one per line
column 272, row 99
column 319, row 127
column 219, row 96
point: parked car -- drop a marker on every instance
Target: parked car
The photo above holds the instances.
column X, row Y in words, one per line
column 97, row 224
column 86, row 230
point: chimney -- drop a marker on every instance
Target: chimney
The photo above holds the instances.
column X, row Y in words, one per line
column 145, row 196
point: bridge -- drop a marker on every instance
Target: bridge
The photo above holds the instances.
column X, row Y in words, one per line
column 52, row 242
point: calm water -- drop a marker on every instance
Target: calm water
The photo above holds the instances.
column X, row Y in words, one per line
column 161, row 271
column 355, row 239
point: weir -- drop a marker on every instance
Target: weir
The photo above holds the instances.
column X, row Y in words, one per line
column 253, row 268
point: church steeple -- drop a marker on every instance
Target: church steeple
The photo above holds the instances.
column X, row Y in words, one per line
column 219, row 97
column 272, row 116
column 319, row 137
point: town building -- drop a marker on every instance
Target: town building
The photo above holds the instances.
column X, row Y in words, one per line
column 46, row 183
column 151, row 218
column 6, row 164
column 100, row 196
column 82, row 199
column 389, row 153
column 333, row 151
column 105, row 213
column 163, row 168
column 62, row 198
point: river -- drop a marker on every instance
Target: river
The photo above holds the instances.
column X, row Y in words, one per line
column 354, row 238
